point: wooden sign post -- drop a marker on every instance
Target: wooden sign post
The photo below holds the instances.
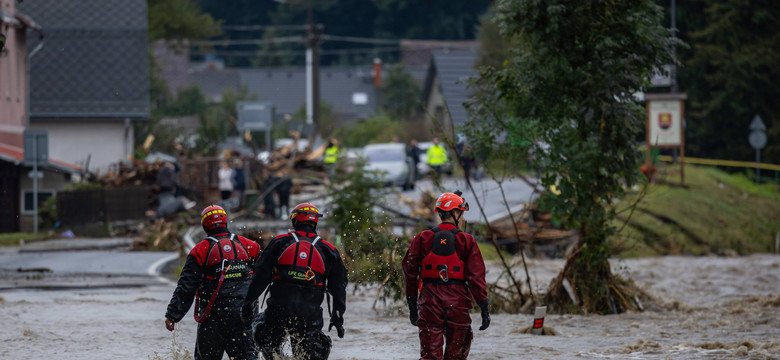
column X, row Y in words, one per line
column 665, row 130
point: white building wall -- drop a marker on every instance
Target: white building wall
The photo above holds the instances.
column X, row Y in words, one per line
column 103, row 142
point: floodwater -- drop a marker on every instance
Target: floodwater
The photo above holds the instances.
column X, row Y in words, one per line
column 708, row 307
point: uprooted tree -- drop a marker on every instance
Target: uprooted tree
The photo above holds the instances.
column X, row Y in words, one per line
column 565, row 94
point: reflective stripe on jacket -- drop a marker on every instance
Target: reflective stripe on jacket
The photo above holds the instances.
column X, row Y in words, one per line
column 436, row 155
column 331, row 154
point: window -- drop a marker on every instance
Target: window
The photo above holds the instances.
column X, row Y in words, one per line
column 27, row 199
column 359, row 98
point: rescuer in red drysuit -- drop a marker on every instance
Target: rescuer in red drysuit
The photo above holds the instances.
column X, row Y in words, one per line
column 447, row 267
column 300, row 268
column 217, row 273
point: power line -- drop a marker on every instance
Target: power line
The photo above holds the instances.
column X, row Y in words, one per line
column 245, row 53
column 228, row 42
column 283, row 39
column 362, row 40
column 263, row 27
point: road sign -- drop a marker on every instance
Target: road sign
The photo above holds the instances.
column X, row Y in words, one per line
column 757, row 139
column 36, row 146
column 255, row 115
column 35, row 175
column 757, row 124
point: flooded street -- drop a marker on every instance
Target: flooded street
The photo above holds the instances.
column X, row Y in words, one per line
column 708, row 307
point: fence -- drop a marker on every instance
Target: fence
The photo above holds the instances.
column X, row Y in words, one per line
column 730, row 163
column 77, row 207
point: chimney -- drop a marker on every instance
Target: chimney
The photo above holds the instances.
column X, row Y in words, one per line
column 377, row 73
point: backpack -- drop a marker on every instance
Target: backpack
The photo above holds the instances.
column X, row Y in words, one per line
column 301, row 262
column 442, row 264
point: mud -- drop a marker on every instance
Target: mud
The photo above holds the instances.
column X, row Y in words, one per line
column 706, row 307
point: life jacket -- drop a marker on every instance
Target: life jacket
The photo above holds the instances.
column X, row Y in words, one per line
column 227, row 259
column 442, row 264
column 224, row 253
column 301, row 262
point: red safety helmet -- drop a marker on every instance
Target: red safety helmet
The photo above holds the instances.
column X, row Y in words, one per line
column 305, row 212
column 212, row 217
column 449, row 201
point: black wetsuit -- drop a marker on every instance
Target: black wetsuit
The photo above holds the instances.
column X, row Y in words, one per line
column 294, row 307
column 222, row 330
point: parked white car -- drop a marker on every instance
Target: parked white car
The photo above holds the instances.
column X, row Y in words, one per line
column 392, row 162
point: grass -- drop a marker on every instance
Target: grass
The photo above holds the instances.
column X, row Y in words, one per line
column 489, row 252
column 12, row 239
column 714, row 213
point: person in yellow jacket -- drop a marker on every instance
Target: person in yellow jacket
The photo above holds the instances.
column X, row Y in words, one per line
column 330, row 157
column 331, row 152
column 437, row 156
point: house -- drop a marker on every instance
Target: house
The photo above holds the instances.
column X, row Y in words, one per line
column 16, row 188
column 349, row 89
column 446, row 87
column 90, row 80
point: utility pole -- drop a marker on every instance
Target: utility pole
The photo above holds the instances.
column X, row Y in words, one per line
column 313, row 74
column 312, row 68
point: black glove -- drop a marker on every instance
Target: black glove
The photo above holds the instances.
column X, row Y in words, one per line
column 337, row 320
column 485, row 314
column 248, row 313
column 413, row 315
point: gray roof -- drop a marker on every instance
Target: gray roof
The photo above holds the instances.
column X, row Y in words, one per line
column 94, row 62
column 286, row 88
column 453, row 69
column 213, row 82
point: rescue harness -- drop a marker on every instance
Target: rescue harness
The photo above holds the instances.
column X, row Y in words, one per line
column 442, row 264
column 222, row 270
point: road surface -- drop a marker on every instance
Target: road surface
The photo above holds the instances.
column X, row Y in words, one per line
column 62, row 264
column 486, row 191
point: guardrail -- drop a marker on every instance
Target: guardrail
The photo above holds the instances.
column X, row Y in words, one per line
column 728, row 163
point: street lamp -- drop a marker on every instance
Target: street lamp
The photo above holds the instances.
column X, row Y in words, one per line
column 312, row 68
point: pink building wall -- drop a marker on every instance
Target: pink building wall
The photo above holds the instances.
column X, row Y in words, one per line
column 13, row 81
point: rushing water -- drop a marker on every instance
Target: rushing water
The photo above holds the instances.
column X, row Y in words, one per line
column 708, row 307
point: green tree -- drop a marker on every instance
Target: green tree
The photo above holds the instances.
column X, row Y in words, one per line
column 328, row 119
column 276, row 54
column 371, row 253
column 730, row 74
column 220, row 120
column 569, row 84
column 375, row 129
column 179, row 20
column 400, row 94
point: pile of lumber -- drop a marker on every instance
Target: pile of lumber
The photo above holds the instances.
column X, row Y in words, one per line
column 308, row 161
column 135, row 172
column 422, row 208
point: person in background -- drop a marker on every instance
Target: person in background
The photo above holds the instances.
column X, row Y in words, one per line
column 283, row 192
column 269, row 204
column 217, row 274
column 437, row 156
column 169, row 198
column 413, row 151
column 447, row 265
column 225, row 180
column 466, row 155
column 239, row 182
column 330, row 157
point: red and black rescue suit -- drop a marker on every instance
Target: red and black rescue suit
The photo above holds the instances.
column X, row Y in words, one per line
column 299, row 267
column 447, row 266
column 220, row 328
